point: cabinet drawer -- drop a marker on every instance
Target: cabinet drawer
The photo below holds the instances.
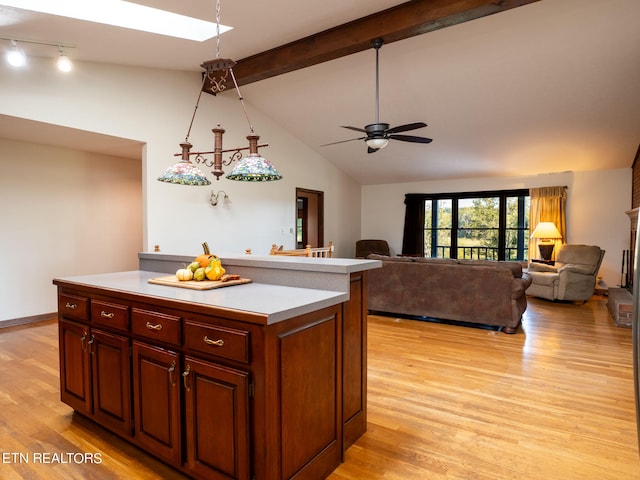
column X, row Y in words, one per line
column 110, row 315
column 156, row 326
column 72, row 306
column 217, row 340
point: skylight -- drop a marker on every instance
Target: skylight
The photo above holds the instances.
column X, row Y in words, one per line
column 124, row 14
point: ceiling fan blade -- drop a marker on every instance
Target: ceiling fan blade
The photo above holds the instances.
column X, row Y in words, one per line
column 407, row 127
column 355, row 128
column 411, row 138
column 343, row 141
column 372, row 150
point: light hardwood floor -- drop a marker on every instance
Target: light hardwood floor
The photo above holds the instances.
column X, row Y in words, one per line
column 554, row 401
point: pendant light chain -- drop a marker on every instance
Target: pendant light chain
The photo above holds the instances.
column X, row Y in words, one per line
column 217, row 28
column 204, row 79
column 246, row 115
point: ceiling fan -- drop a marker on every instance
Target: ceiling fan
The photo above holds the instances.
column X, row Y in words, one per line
column 378, row 134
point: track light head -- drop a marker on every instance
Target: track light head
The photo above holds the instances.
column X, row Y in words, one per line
column 64, row 64
column 15, row 56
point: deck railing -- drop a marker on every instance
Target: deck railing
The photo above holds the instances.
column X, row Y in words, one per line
column 479, row 253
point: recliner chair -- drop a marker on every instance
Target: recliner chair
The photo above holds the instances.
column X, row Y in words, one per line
column 573, row 276
column 366, row 247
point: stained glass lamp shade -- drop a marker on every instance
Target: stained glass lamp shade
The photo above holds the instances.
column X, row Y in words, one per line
column 254, row 168
column 184, row 172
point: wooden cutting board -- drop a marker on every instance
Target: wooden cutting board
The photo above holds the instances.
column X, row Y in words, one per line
column 172, row 281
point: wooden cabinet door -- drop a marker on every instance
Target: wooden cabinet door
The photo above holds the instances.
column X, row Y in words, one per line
column 111, row 371
column 156, row 401
column 217, row 420
column 75, row 367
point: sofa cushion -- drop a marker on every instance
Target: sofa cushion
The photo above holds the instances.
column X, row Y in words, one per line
column 544, row 278
column 543, row 267
column 436, row 261
column 515, row 267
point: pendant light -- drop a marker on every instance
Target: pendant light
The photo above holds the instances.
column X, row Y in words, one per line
column 252, row 168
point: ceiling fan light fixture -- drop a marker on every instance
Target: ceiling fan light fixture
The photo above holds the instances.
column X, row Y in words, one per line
column 377, row 143
column 378, row 134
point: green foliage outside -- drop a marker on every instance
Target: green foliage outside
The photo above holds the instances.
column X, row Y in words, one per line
column 478, row 228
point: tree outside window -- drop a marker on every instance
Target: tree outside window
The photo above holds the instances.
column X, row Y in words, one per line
column 480, row 225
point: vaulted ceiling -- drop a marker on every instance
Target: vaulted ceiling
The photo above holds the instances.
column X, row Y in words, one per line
column 506, row 87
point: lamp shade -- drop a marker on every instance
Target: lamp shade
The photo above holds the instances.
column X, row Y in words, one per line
column 184, row 172
column 254, row 168
column 546, row 231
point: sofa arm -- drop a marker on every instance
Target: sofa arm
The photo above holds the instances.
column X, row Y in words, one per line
column 520, row 285
column 542, row 267
column 573, row 268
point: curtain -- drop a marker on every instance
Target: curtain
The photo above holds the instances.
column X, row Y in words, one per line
column 413, row 238
column 547, row 204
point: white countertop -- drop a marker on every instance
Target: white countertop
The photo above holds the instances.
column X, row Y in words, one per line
column 275, row 302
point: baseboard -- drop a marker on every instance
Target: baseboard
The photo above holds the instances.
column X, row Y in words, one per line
column 26, row 320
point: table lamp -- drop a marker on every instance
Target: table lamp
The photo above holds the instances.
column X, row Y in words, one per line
column 546, row 232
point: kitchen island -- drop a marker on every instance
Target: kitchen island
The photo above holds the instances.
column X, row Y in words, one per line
column 261, row 380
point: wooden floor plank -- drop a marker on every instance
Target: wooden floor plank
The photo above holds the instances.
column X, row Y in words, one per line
column 553, row 401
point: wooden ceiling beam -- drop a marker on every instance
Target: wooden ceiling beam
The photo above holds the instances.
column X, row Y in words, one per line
column 406, row 20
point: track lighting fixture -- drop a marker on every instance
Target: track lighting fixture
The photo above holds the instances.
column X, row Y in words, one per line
column 64, row 64
column 17, row 58
column 15, row 55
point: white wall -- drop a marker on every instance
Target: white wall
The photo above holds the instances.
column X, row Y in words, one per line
column 155, row 107
column 63, row 212
column 596, row 205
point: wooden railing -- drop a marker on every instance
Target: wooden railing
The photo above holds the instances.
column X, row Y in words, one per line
column 308, row 251
column 479, row 253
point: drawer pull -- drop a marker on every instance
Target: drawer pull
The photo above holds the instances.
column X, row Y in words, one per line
column 151, row 326
column 71, row 306
column 107, row 315
column 215, row 343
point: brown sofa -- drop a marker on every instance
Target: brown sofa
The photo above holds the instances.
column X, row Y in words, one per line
column 474, row 291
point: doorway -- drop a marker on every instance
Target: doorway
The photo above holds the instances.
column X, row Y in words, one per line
column 309, row 218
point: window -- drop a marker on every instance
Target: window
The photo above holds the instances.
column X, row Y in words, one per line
column 472, row 225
